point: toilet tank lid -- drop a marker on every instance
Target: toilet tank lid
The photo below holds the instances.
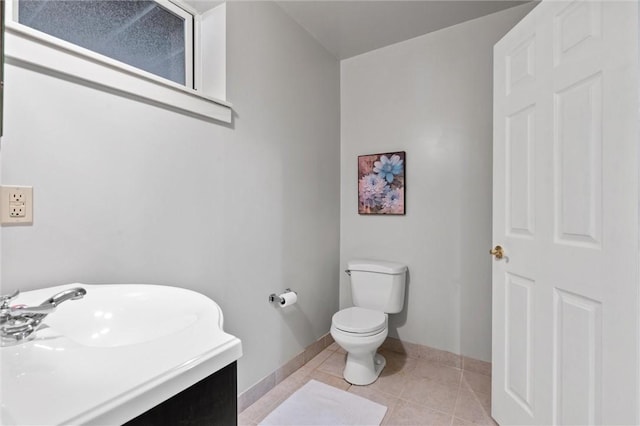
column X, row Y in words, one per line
column 380, row 266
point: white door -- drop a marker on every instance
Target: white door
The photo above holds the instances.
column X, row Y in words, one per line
column 565, row 296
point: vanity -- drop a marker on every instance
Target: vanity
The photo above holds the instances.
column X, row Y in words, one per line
column 123, row 354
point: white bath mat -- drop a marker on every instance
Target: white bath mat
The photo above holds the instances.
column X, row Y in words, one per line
column 318, row 404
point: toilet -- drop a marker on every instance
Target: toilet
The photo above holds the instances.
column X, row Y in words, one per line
column 377, row 289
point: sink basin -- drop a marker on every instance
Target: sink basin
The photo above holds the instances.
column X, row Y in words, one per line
column 110, row 316
column 113, row 354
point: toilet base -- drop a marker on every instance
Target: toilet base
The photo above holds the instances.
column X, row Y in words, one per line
column 363, row 368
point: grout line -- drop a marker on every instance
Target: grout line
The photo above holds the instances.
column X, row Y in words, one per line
column 455, row 405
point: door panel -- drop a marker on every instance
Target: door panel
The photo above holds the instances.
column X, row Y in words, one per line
column 518, row 343
column 577, row 27
column 578, row 163
column 520, row 200
column 577, row 359
column 565, row 297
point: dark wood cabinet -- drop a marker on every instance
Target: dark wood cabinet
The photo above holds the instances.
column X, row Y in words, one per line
column 211, row 401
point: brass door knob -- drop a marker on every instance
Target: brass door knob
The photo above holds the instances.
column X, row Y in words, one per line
column 498, row 252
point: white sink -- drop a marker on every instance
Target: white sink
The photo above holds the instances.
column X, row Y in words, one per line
column 110, row 316
column 112, row 355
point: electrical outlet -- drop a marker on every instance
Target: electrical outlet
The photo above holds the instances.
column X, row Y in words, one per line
column 16, row 196
column 16, row 205
column 17, row 210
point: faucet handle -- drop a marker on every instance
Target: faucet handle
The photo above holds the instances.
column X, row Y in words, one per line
column 6, row 298
column 45, row 309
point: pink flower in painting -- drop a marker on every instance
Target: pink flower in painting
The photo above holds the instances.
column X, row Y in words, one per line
column 393, row 202
column 371, row 189
column 365, row 164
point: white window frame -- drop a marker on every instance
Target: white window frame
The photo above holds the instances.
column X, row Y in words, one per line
column 33, row 49
column 189, row 40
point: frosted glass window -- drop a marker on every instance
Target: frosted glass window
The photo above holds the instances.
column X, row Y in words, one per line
column 140, row 33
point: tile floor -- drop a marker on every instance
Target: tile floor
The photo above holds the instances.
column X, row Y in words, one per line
column 415, row 391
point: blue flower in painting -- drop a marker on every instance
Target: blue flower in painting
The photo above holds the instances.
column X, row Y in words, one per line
column 393, row 201
column 387, row 168
column 371, row 189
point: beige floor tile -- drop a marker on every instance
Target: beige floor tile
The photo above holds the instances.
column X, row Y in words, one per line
column 437, row 355
column 469, row 407
column 395, row 374
column 385, row 399
column 272, row 399
column 244, row 420
column 319, row 359
column 258, row 409
column 374, row 395
column 407, row 413
column 397, row 362
column 302, row 372
column 393, row 344
column 391, row 382
column 461, row 422
column 310, row 366
column 416, row 391
column 485, row 401
column 435, row 395
column 328, row 379
column 477, row 366
column 290, row 385
column 413, row 350
column 336, row 347
column 437, row 372
column 334, row 365
column 478, row 382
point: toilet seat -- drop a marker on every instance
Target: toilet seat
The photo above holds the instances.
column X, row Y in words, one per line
column 360, row 321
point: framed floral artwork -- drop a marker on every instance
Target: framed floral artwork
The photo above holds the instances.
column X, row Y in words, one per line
column 381, row 183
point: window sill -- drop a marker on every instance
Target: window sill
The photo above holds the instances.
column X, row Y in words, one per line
column 34, row 50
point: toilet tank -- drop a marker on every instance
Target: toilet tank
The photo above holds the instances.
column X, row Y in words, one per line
column 378, row 284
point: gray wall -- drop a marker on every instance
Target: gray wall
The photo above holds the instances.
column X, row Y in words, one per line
column 432, row 97
column 129, row 193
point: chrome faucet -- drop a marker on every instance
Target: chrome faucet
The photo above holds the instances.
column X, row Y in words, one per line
column 63, row 296
column 18, row 322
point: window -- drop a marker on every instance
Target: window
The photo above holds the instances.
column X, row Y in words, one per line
column 155, row 36
column 151, row 51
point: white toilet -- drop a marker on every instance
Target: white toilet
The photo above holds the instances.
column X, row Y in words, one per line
column 377, row 289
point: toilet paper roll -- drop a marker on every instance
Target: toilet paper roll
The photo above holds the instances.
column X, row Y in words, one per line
column 288, row 299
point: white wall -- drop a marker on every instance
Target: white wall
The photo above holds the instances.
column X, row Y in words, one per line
column 431, row 97
column 128, row 192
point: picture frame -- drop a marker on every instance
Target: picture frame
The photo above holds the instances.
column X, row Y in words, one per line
column 381, row 183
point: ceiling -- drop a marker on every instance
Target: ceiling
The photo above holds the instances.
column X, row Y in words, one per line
column 349, row 28
column 201, row 6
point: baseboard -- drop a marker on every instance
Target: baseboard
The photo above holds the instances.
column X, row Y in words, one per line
column 415, row 350
column 256, row 391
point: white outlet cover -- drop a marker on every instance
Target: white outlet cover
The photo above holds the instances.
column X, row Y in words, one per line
column 16, row 197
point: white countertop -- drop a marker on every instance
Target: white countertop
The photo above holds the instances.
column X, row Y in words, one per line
column 55, row 379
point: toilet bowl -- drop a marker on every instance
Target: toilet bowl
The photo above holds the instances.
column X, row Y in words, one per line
column 377, row 289
column 360, row 332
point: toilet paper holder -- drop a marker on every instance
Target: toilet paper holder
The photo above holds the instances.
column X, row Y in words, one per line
column 275, row 298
